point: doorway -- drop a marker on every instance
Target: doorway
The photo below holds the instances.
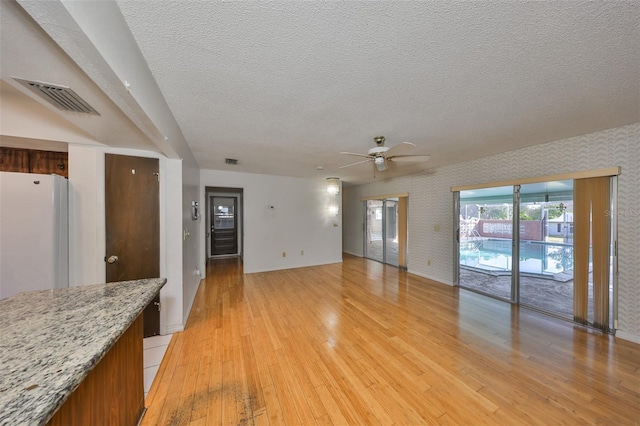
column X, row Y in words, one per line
column 132, row 221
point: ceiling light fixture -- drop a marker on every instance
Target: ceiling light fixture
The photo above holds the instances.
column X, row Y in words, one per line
column 380, row 164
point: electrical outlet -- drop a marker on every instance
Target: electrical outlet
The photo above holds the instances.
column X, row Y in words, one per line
column 301, row 252
column 428, row 262
column 436, row 228
column 284, row 254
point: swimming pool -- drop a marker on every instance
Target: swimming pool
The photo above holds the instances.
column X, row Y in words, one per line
column 536, row 257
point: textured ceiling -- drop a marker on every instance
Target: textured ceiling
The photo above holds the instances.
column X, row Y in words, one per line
column 285, row 86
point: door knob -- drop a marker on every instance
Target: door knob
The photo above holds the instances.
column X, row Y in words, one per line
column 112, row 259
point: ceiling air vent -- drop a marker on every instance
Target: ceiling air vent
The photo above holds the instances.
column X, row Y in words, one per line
column 60, row 96
column 231, row 161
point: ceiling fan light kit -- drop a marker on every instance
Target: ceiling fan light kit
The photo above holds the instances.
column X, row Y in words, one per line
column 380, row 154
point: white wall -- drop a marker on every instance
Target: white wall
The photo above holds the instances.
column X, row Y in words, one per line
column 298, row 221
column 431, row 204
column 87, row 227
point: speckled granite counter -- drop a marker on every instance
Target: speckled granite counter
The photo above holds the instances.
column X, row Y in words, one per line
column 51, row 339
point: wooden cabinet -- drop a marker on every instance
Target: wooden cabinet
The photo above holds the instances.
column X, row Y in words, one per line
column 48, row 162
column 113, row 392
column 14, row 160
column 34, row 161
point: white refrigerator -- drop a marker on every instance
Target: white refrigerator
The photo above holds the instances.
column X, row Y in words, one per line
column 34, row 232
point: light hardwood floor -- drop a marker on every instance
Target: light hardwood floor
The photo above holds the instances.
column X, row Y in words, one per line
column 360, row 343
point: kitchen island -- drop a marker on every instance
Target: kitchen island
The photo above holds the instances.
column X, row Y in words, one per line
column 74, row 352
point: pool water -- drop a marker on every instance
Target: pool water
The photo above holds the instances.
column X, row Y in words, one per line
column 536, row 257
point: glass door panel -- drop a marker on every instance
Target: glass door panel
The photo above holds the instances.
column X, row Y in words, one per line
column 224, row 239
column 546, row 247
column 391, row 232
column 374, row 243
column 486, row 233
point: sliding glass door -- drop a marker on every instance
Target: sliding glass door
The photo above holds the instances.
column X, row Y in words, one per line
column 391, row 232
column 546, row 247
column 559, row 261
column 486, row 240
column 374, row 242
column 382, row 236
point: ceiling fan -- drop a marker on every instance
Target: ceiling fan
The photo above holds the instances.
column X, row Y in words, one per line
column 382, row 155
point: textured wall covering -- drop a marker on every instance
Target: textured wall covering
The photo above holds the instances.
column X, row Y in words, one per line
column 431, row 204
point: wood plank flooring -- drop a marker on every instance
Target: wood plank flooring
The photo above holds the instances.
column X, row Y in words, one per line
column 361, row 343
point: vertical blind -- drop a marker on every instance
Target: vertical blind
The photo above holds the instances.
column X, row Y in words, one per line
column 592, row 230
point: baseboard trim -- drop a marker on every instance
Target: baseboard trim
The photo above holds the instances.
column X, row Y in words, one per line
column 628, row 337
column 410, row 271
column 176, row 328
column 352, row 253
column 284, row 268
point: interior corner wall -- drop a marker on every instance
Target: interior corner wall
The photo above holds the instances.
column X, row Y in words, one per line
column 430, row 216
column 191, row 235
column 87, row 226
column 282, row 215
column 353, row 221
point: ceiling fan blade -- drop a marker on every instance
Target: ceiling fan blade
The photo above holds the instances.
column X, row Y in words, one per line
column 401, row 148
column 357, row 155
column 409, row 158
column 353, row 164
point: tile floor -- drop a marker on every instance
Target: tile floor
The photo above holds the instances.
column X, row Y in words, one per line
column 154, row 349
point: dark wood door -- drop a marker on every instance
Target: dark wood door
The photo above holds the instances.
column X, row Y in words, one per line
column 132, row 210
column 224, row 225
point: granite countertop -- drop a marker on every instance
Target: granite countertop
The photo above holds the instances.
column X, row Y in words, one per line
column 51, row 339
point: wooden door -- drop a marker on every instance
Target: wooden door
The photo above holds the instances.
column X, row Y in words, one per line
column 224, row 226
column 132, row 210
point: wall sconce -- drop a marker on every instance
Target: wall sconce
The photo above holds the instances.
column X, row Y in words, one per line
column 333, row 209
column 333, row 185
